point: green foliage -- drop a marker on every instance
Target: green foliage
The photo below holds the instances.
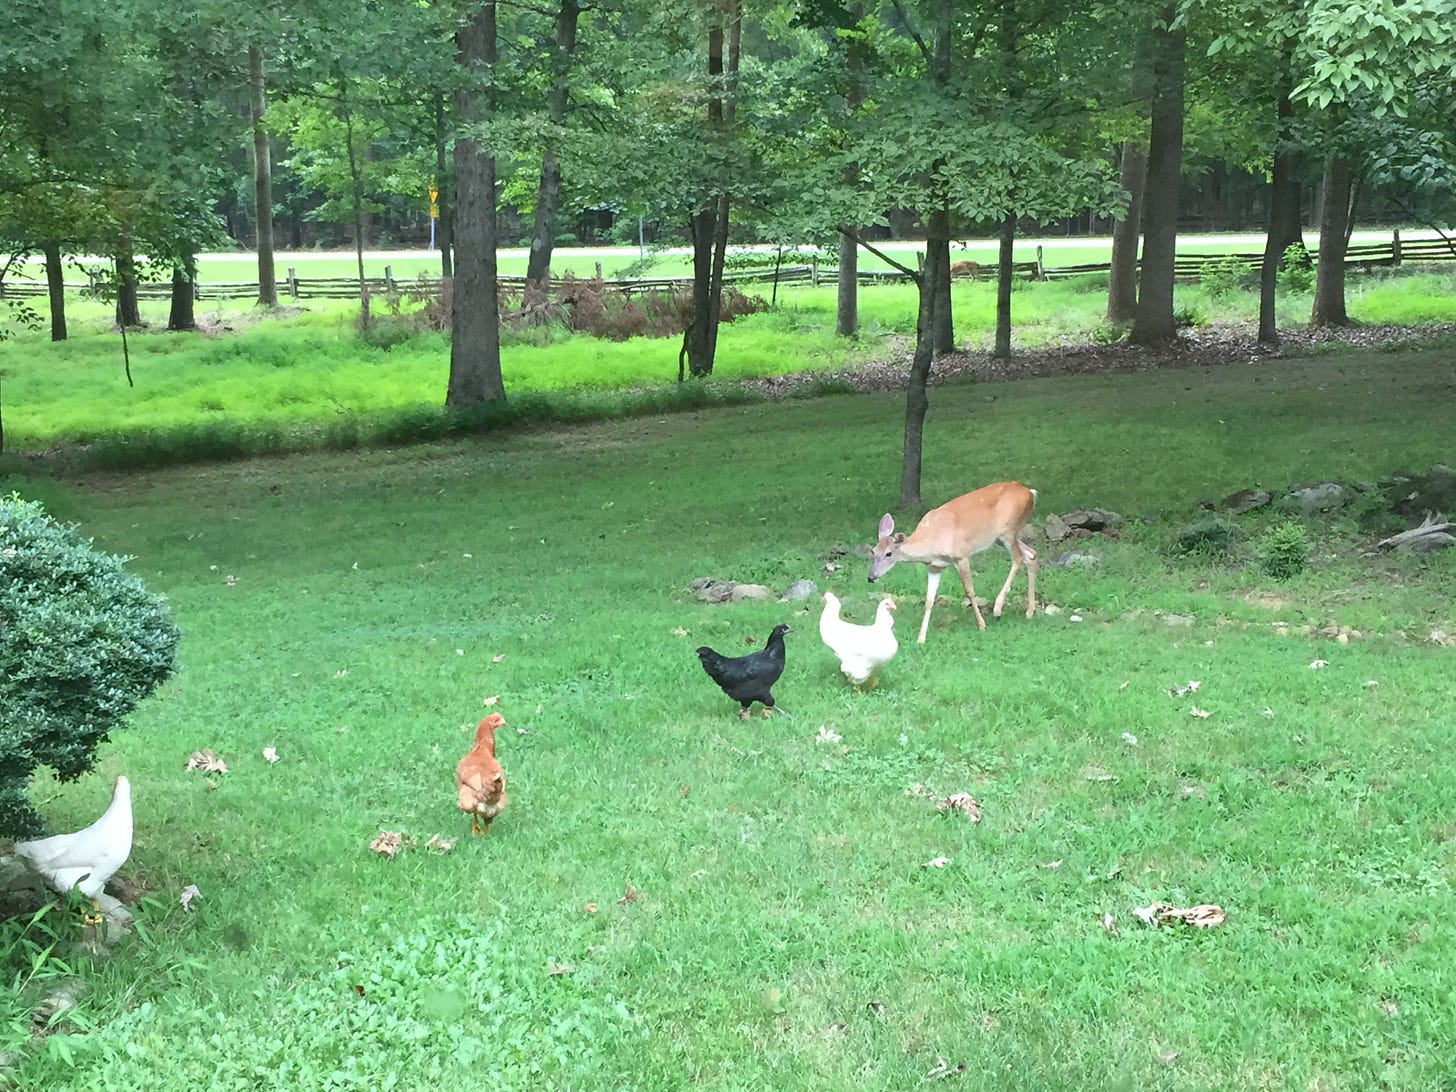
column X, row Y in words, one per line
column 1283, row 550
column 1224, row 277
column 1109, row 333
column 81, row 643
column 1189, row 313
column 1296, row 270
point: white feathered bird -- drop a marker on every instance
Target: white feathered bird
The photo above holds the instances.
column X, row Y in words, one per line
column 89, row 857
column 862, row 650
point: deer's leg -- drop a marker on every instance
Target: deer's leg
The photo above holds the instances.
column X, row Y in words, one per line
column 1029, row 556
column 963, row 566
column 932, row 583
column 1014, row 547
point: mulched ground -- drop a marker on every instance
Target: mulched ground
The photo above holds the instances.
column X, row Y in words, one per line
column 1203, row 347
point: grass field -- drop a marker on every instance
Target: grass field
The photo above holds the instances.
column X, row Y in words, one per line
column 312, row 380
column 353, row 610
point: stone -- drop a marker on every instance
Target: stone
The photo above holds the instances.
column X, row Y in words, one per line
column 1056, row 528
column 1092, row 519
column 743, row 592
column 865, row 550
column 1245, row 500
column 1312, row 498
column 1178, row 619
column 799, row 589
column 1413, row 495
column 718, row 592
column 697, row 584
column 1069, row 559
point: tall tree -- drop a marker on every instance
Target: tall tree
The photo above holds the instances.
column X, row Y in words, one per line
column 548, row 194
column 1153, row 321
column 475, row 366
column 1122, row 283
column 262, row 178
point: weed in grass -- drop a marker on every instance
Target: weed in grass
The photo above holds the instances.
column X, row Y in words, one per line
column 1283, row 550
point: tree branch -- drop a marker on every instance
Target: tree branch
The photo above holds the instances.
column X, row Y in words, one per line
column 878, row 253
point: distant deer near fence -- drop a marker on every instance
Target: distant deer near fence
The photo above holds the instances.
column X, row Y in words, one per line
column 965, row 269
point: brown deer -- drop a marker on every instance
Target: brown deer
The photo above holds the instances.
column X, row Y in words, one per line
column 947, row 536
column 965, row 269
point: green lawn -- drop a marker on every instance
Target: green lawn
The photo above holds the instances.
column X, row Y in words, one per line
column 353, row 609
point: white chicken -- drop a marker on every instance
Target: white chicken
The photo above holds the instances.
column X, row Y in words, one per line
column 862, row 650
column 89, row 857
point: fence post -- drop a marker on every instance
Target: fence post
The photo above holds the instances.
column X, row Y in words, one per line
column 196, row 286
column 1395, row 247
column 293, row 281
column 599, row 270
column 389, row 279
column 1040, row 266
column 813, row 271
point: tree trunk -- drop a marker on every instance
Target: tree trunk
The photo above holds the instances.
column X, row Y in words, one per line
column 1153, row 320
column 475, row 368
column 1003, row 289
column 1283, row 223
column 1334, row 233
column 356, row 191
column 127, row 311
column 695, row 337
column 262, row 180
column 56, row 288
column 443, row 187
column 184, row 285
column 916, row 401
column 548, row 193
column 1122, row 285
column 846, row 317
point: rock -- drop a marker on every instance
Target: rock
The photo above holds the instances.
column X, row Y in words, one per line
column 1056, row 528
column 1178, row 619
column 799, row 589
column 697, row 584
column 1245, row 500
column 61, row 998
column 1308, row 499
column 865, row 550
column 718, row 592
column 1413, row 495
column 1068, row 559
column 741, row 592
column 1092, row 519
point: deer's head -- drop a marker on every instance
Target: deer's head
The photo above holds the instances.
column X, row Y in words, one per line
column 887, row 550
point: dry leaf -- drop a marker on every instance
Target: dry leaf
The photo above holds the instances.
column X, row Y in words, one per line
column 1191, row 687
column 833, row 1030
column 683, row 790
column 1129, row 738
column 1316, row 664
column 498, row 658
column 1109, row 924
column 441, row 845
column 632, row 894
column 339, row 674
column 1096, row 773
column 1268, row 712
column 936, row 862
column 189, row 893
column 1167, row 1057
column 1202, row 916
column 944, row 1069
column 828, row 735
column 1149, row 913
column 1123, row 684
column 206, row 761
column 270, row 755
column 916, row 789
column 678, row 631
column 1372, row 682
column 1052, row 864
column 389, row 842
column 875, row 1008
column 491, row 700
column 1197, row 712
column 230, row 581
column 962, row 801
column 590, row 908
column 1388, row 1006
column 555, row 969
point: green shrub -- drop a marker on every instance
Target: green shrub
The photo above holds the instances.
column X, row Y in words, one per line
column 1283, row 550
column 1296, row 270
column 1210, row 537
column 81, row 643
column 1225, row 277
column 1189, row 314
column 1109, row 333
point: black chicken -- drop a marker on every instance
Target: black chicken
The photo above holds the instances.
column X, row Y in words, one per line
column 747, row 679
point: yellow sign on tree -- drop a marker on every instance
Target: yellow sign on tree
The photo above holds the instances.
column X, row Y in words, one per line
column 434, row 196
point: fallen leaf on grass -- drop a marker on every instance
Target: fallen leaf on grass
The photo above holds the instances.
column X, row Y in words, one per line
column 389, row 842
column 678, row 631
column 1109, row 923
column 1167, row 1057
column 189, row 893
column 916, row 789
column 962, row 801
column 1316, row 664
column 875, row 1008
column 207, row 761
column 1129, row 739
column 1190, row 687
column 1197, row 712
column 683, row 790
column 1202, row 916
column 1096, row 773
column 498, row 658
column 632, row 894
column 833, row 1030
column 490, row 700
column 270, row 755
column 827, row 735
column 590, row 908
column 1372, row 682
column 555, row 969
column 230, row 581
column 1388, row 1006
column 441, row 845
column 1052, row 864
column 936, row 862
column 1268, row 712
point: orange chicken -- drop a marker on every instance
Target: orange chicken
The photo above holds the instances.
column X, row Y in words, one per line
column 479, row 779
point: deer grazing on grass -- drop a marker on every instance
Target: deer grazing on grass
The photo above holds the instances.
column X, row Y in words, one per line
column 965, row 269
column 949, row 535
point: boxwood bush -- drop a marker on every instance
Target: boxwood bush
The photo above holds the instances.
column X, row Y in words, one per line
column 81, row 643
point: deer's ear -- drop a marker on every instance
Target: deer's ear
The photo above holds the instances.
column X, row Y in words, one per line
column 899, row 539
column 886, row 525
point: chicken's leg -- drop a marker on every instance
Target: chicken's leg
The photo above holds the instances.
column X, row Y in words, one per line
column 94, row 917
column 475, row 824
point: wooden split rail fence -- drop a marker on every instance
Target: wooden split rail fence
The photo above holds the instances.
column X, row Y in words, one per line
column 1187, row 267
